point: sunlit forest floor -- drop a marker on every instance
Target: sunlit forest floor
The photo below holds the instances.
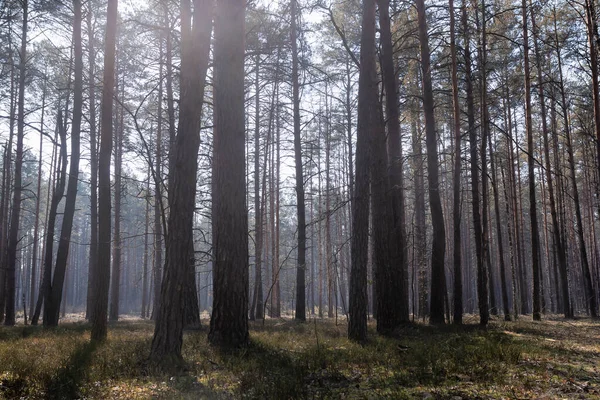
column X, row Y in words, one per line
column 512, row 360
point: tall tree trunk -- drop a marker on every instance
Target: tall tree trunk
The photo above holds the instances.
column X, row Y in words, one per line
column 398, row 285
column 592, row 30
column 102, row 271
column 145, row 303
column 115, row 285
column 36, row 230
column 535, row 237
column 93, row 258
column 301, row 207
column 367, row 99
column 438, row 247
column 229, row 322
column 60, row 179
column 13, row 237
column 561, row 252
column 558, row 243
column 503, row 282
column 52, row 303
column 159, row 232
column 168, row 333
column 256, row 311
column 6, row 184
column 457, row 257
column 485, row 285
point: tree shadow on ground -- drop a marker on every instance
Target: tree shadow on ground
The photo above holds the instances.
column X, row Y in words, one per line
column 67, row 382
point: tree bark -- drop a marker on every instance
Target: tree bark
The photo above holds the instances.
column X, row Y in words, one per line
column 562, row 263
column 115, row 285
column 398, row 283
column 438, row 247
column 229, row 322
column 256, row 311
column 367, row 99
column 457, row 256
column 535, row 238
column 301, row 207
column 102, row 270
column 52, row 302
column 13, row 237
column 168, row 333
column 93, row 258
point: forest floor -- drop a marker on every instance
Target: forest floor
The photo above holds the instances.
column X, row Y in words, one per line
column 510, row 360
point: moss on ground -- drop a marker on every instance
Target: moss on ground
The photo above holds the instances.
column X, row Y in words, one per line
column 285, row 359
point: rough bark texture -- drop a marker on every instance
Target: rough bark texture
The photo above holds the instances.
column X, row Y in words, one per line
column 36, row 230
column 561, row 255
column 438, row 247
column 256, row 311
column 93, row 259
column 52, row 303
column 592, row 30
column 535, row 236
column 61, row 172
column 229, row 322
column 102, row 271
column 457, row 257
column 115, row 284
column 301, row 207
column 168, row 332
column 396, row 285
column 367, row 98
column 13, row 236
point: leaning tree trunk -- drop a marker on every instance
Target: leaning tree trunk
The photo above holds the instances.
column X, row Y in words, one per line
column 52, row 302
column 438, row 247
column 61, row 172
column 229, row 322
column 168, row 332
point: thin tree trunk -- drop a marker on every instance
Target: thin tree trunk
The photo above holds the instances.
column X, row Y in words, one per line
column 562, row 263
column 36, row 231
column 61, row 172
column 535, row 237
column 93, row 258
column 115, row 285
column 52, row 302
column 457, row 256
column 13, row 237
column 256, row 311
column 145, row 303
column 301, row 207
